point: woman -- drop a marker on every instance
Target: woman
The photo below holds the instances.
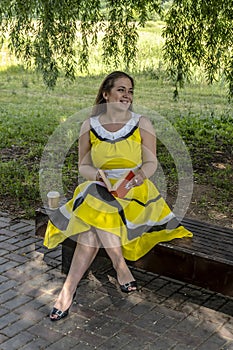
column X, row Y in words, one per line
column 116, row 140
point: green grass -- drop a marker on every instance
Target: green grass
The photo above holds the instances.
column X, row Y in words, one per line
column 29, row 113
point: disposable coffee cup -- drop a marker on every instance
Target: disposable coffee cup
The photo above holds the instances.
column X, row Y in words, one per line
column 53, row 199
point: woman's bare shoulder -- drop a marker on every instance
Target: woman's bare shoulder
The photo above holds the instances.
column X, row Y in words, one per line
column 85, row 127
column 146, row 124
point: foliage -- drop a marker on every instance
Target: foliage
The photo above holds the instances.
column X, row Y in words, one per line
column 200, row 33
column 208, row 138
column 58, row 34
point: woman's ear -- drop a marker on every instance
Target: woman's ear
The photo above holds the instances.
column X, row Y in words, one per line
column 105, row 95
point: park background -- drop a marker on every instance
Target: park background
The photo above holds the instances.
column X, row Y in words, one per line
column 202, row 115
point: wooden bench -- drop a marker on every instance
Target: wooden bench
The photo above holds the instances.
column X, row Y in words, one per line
column 206, row 260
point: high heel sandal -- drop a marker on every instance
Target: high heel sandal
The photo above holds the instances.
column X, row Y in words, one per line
column 58, row 313
column 127, row 287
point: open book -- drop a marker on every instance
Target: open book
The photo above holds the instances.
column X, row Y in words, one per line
column 119, row 189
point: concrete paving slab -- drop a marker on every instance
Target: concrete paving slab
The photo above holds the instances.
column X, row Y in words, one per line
column 164, row 314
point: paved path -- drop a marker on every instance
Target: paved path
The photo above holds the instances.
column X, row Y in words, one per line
column 165, row 314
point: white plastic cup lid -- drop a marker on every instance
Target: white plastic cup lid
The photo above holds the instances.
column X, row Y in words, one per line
column 53, row 194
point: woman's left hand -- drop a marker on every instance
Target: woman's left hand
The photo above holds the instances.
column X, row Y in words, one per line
column 137, row 180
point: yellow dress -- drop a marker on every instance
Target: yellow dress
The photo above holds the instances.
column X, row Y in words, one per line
column 141, row 219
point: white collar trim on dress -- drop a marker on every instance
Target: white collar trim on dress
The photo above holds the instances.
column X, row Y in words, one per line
column 101, row 131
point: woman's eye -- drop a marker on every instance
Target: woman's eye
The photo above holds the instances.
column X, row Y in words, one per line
column 122, row 90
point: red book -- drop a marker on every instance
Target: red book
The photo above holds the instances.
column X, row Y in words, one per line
column 120, row 188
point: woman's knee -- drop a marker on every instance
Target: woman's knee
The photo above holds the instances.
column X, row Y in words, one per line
column 89, row 238
column 108, row 240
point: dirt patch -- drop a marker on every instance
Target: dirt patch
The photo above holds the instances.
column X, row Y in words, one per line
column 203, row 207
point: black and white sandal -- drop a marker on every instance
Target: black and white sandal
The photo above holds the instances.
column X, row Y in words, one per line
column 129, row 287
column 56, row 315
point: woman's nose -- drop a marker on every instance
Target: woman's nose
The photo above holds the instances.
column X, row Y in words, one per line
column 126, row 94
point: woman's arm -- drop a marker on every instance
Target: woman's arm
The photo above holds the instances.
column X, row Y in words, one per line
column 86, row 168
column 149, row 159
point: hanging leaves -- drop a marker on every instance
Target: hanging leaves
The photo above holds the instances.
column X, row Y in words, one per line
column 200, row 33
column 55, row 35
column 58, row 35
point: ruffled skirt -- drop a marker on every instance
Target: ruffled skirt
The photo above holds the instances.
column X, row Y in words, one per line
column 141, row 219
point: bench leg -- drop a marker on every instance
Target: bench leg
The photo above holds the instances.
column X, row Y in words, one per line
column 67, row 255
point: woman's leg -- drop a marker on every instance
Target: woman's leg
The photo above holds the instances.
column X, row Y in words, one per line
column 84, row 254
column 112, row 245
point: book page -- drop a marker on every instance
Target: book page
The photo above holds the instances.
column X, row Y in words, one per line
column 119, row 189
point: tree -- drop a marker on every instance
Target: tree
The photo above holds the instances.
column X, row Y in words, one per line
column 200, row 33
column 56, row 34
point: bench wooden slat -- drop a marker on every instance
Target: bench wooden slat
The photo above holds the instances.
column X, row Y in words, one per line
column 208, row 239
column 201, row 245
column 205, row 225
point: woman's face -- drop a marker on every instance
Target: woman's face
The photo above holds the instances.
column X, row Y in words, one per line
column 121, row 93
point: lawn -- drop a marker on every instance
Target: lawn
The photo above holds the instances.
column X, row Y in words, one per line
column 202, row 118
